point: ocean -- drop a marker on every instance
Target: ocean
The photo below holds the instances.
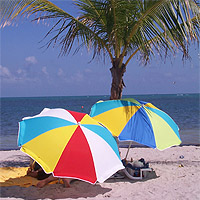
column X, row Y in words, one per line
column 184, row 109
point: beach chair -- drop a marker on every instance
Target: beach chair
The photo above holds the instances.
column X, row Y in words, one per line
column 136, row 172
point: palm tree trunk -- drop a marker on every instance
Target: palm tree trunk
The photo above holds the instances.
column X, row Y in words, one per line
column 117, row 80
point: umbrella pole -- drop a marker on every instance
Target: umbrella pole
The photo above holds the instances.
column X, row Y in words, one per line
column 128, row 149
column 117, row 140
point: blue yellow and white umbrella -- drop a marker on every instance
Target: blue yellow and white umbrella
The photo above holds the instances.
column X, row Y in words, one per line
column 70, row 144
column 139, row 121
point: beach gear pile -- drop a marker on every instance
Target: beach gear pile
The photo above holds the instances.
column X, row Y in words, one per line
column 136, row 169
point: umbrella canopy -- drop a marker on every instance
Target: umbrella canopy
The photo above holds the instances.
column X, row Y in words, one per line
column 70, row 144
column 137, row 121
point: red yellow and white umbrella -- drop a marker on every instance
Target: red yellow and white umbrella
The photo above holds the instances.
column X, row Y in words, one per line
column 70, row 145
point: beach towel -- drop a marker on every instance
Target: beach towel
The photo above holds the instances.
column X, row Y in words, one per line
column 16, row 176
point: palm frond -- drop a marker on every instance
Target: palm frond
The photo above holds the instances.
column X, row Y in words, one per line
column 114, row 27
column 165, row 25
column 11, row 10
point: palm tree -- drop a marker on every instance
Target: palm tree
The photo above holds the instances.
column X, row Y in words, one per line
column 119, row 29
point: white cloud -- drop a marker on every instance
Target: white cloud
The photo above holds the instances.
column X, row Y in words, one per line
column 13, row 77
column 5, row 73
column 77, row 77
column 87, row 70
column 31, row 60
column 44, row 70
column 168, row 74
column 21, row 72
column 60, row 72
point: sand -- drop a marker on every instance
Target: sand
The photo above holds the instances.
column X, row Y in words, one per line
column 176, row 175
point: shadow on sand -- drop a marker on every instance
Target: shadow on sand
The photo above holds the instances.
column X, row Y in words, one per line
column 150, row 175
column 78, row 189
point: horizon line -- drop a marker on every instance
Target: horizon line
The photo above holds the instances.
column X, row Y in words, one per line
column 180, row 94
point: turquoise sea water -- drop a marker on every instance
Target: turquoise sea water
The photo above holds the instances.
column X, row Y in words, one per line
column 183, row 108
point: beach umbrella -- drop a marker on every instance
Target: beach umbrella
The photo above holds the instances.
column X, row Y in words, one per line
column 70, row 145
column 139, row 121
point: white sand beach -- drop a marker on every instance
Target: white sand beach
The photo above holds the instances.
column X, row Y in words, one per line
column 175, row 176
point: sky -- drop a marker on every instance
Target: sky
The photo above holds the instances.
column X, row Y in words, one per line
column 29, row 70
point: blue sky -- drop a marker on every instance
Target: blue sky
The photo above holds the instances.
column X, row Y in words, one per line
column 26, row 69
